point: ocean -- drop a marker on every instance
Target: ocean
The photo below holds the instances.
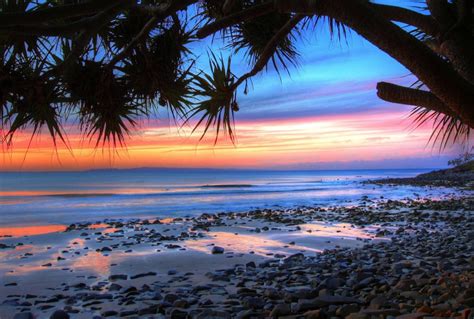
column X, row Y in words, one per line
column 42, row 198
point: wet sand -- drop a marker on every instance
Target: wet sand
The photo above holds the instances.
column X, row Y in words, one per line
column 119, row 268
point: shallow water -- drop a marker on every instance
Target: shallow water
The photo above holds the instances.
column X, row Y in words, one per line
column 58, row 198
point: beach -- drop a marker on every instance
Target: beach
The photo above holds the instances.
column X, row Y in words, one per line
column 384, row 258
column 379, row 258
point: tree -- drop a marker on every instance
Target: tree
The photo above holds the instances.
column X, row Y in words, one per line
column 461, row 159
column 108, row 62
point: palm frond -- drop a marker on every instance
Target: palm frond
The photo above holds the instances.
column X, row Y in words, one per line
column 157, row 72
column 106, row 110
column 447, row 130
column 253, row 36
column 219, row 99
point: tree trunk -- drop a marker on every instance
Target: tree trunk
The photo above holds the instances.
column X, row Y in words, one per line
column 437, row 74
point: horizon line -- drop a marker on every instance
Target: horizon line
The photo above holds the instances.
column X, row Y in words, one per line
column 216, row 169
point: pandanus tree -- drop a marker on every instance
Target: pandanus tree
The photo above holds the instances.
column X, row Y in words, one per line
column 106, row 63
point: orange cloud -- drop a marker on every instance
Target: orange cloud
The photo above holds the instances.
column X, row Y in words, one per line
column 260, row 144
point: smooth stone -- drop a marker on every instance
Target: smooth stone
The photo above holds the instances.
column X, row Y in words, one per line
column 59, row 314
column 213, row 314
column 323, row 301
column 217, row 250
column 109, row 313
column 24, row 315
column 346, row 310
column 315, row 314
column 148, row 274
column 280, row 310
column 253, row 302
column 118, row 277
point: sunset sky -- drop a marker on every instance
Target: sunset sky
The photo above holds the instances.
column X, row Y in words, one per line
column 324, row 115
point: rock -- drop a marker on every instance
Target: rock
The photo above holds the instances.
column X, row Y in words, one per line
column 314, row 314
column 378, row 302
column 115, row 287
column 280, row 310
column 127, row 313
column 415, row 315
column 217, row 250
column 24, row 315
column 357, row 315
column 148, row 274
column 212, row 314
column 299, row 257
column 469, row 302
column 177, row 314
column 272, row 293
column 181, row 303
column 332, row 283
column 346, row 310
column 323, row 301
column 59, row 314
column 253, row 302
column 118, row 277
column 109, row 313
column 247, row 314
column 381, row 312
column 171, row 298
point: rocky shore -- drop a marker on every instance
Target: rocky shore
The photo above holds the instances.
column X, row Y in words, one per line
column 460, row 176
column 418, row 262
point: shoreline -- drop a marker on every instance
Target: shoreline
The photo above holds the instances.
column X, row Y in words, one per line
column 258, row 258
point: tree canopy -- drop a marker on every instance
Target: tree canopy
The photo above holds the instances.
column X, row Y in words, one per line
column 107, row 63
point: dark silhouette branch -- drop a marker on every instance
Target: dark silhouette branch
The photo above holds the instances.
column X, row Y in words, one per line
column 403, row 95
column 437, row 74
column 270, row 48
column 159, row 13
column 61, row 12
column 83, row 38
column 423, row 22
column 247, row 14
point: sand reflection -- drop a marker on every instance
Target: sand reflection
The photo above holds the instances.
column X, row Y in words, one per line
column 92, row 262
column 243, row 243
column 342, row 230
column 31, row 230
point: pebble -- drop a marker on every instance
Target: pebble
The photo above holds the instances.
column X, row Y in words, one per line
column 217, row 250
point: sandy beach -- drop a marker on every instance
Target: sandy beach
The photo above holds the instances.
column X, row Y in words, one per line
column 261, row 263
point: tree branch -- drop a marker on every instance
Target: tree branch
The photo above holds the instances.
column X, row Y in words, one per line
column 247, row 14
column 270, row 48
column 423, row 22
column 403, row 95
column 83, row 38
column 159, row 13
column 60, row 12
column 437, row 74
column 440, row 10
column 144, row 31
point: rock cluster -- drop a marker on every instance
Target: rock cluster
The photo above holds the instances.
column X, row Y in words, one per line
column 425, row 270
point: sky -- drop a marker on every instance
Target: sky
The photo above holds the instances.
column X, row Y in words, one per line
column 324, row 115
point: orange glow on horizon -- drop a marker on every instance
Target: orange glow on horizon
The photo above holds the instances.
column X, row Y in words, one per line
column 260, row 144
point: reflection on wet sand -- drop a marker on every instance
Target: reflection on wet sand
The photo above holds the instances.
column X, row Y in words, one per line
column 78, row 254
column 93, row 262
column 260, row 245
column 341, row 230
column 19, row 231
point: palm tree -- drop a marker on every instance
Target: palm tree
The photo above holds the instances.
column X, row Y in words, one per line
column 109, row 62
